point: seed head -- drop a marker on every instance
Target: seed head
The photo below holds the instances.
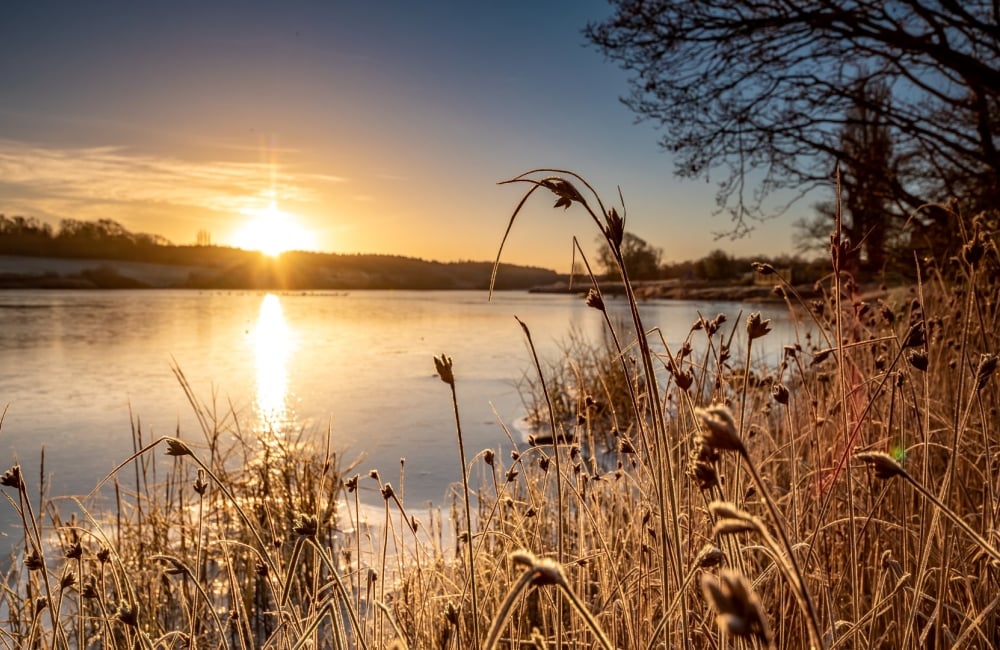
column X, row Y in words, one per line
column 174, row 566
column 33, row 561
column 625, row 446
column 726, row 510
column 709, row 556
column 885, row 466
column 74, row 551
column 780, row 393
column 443, row 365
column 886, row 312
column 305, row 525
column 704, row 473
column 719, row 428
column 451, row 613
column 917, row 359
column 915, row 337
column 176, row 447
column 763, row 268
column 200, row 485
column 739, row 610
column 820, row 356
column 974, row 249
column 615, row 229
column 732, row 527
column 595, row 300
column 128, row 613
column 545, row 571
column 987, row 366
column 757, row 327
column 564, row 190
column 90, row 590
column 12, row 478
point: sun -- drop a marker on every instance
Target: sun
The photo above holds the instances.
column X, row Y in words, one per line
column 272, row 232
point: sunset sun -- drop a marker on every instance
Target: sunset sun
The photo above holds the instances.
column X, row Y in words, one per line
column 272, row 232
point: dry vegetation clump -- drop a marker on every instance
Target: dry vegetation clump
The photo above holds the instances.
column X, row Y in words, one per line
column 842, row 494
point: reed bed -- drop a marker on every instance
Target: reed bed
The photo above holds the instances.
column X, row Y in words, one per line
column 840, row 494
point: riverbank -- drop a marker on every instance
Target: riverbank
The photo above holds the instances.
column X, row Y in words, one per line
column 232, row 269
column 21, row 272
column 676, row 289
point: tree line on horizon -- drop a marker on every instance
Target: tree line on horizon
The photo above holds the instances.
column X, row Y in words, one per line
column 644, row 262
column 222, row 267
column 108, row 239
column 30, row 236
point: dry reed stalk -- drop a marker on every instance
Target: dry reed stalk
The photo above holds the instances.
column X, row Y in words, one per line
column 445, row 372
column 612, row 228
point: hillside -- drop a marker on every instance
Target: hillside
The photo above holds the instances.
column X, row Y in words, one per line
column 104, row 254
column 193, row 267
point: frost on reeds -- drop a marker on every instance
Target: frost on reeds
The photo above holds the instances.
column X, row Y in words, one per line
column 696, row 494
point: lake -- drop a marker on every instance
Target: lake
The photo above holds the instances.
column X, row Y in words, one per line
column 77, row 368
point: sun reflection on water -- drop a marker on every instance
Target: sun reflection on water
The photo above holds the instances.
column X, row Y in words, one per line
column 272, row 346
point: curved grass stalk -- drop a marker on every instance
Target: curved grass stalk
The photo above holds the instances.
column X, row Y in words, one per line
column 541, row 572
column 176, row 566
column 612, row 227
column 342, row 592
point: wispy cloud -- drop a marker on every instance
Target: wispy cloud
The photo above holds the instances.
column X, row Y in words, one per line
column 117, row 175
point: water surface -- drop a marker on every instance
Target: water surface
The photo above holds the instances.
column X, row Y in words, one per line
column 78, row 369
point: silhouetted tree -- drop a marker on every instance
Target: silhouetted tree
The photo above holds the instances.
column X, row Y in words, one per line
column 870, row 217
column 867, row 175
column 769, row 86
column 719, row 265
column 23, row 235
column 642, row 260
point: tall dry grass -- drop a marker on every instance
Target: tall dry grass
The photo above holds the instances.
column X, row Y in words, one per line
column 842, row 494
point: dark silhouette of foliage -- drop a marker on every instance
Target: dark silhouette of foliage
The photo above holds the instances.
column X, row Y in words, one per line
column 719, row 265
column 25, row 234
column 219, row 267
column 867, row 177
column 870, row 219
column 642, row 260
column 769, row 92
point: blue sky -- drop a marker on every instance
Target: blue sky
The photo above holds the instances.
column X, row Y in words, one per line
column 374, row 127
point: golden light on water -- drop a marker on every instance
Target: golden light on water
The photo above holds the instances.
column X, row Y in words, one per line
column 273, row 344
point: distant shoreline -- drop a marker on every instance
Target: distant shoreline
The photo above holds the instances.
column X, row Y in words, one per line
column 50, row 273
column 248, row 271
column 21, row 272
column 683, row 290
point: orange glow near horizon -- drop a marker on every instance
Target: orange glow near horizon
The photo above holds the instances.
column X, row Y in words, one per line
column 272, row 232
